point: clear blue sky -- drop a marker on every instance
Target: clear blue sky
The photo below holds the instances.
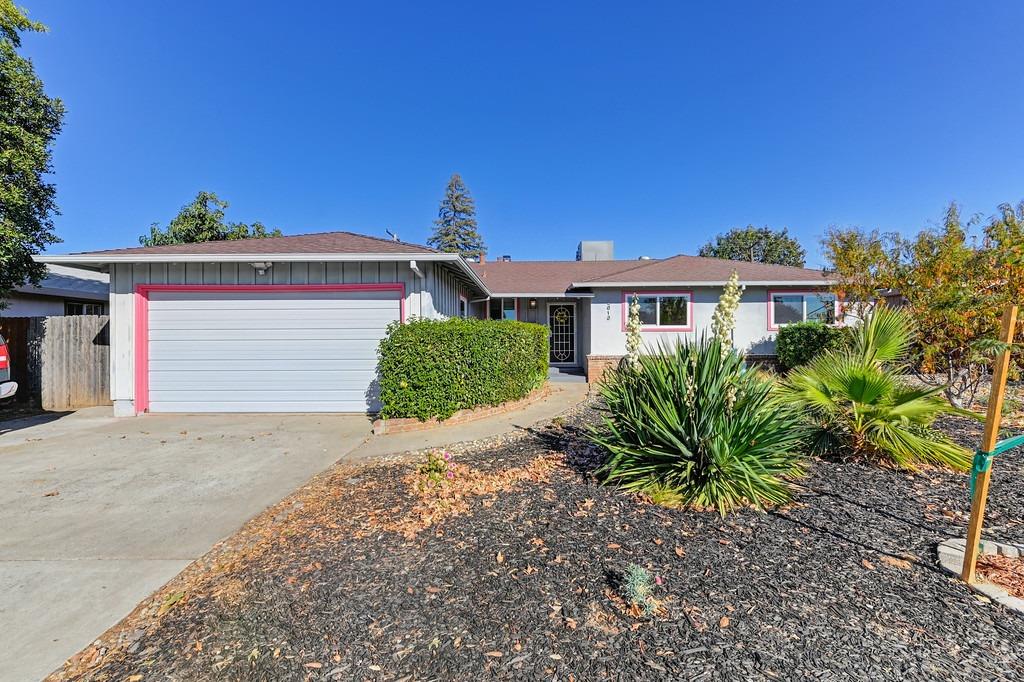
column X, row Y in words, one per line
column 656, row 125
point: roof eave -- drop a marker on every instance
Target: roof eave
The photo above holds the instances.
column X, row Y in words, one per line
column 705, row 283
column 92, row 259
column 98, row 259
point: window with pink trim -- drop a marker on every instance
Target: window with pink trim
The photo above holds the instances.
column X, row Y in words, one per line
column 790, row 307
column 661, row 310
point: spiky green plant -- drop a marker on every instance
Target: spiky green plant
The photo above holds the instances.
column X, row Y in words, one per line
column 638, row 588
column 696, row 420
column 857, row 402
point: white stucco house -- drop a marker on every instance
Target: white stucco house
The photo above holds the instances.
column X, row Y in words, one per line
column 292, row 324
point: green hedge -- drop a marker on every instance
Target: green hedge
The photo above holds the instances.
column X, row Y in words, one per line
column 797, row 344
column 432, row 368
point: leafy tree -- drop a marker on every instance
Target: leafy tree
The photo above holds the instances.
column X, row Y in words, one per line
column 455, row 229
column 756, row 245
column 203, row 221
column 953, row 289
column 860, row 262
column 29, row 123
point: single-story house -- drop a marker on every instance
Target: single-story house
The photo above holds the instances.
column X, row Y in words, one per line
column 292, row 324
column 64, row 291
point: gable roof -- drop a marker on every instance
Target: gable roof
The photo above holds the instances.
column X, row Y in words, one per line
column 321, row 246
column 556, row 277
column 315, row 243
column 683, row 269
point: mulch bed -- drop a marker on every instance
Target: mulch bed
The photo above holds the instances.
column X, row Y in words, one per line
column 516, row 577
column 1007, row 572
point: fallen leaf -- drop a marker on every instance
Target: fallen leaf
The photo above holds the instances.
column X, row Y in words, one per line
column 555, row 657
column 500, row 558
column 494, row 654
column 169, row 603
column 55, row 493
column 867, row 564
column 724, row 623
column 313, row 665
column 134, row 678
column 612, row 545
column 657, row 541
column 893, row 561
column 680, row 552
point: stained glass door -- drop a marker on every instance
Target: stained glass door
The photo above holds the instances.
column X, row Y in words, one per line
column 562, row 324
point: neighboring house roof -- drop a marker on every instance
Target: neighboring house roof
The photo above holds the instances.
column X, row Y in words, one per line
column 536, row 278
column 65, row 282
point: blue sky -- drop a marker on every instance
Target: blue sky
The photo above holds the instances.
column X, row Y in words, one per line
column 653, row 124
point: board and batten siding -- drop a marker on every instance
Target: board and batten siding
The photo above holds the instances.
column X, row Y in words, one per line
column 433, row 296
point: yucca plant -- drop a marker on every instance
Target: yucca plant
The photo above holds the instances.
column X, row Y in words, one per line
column 693, row 419
column 857, row 402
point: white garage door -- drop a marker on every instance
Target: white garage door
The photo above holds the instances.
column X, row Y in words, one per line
column 275, row 351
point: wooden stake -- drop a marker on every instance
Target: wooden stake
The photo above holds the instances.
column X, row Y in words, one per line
column 988, row 443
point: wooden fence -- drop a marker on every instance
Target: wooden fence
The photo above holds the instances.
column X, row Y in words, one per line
column 60, row 363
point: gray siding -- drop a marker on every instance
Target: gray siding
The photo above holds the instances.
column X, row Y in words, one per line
column 438, row 284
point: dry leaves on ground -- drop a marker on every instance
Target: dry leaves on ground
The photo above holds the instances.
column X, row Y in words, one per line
column 1004, row 571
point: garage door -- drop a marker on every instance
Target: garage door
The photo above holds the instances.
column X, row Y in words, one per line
column 304, row 350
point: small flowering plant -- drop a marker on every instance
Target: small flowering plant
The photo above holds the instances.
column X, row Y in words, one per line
column 438, row 469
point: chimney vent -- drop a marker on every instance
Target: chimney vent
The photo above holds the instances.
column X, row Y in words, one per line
column 589, row 250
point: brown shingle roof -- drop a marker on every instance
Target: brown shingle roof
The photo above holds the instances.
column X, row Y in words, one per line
column 544, row 276
column 548, row 277
column 684, row 268
column 320, row 242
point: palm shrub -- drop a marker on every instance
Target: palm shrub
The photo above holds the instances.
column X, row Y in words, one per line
column 693, row 419
column 858, row 403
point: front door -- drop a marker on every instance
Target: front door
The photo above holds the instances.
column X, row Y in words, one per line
column 562, row 324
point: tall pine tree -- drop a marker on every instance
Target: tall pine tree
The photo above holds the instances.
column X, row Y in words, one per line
column 455, row 229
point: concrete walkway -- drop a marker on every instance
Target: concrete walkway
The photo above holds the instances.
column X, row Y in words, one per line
column 96, row 512
column 562, row 397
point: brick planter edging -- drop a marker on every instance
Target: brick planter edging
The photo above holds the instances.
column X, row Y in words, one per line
column 951, row 559
column 403, row 425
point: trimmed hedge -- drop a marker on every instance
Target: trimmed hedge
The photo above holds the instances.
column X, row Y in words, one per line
column 433, row 368
column 797, row 344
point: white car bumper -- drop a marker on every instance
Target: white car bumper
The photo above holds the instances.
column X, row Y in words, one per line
column 7, row 389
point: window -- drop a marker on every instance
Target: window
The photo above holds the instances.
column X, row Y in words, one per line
column 668, row 310
column 787, row 308
column 502, row 309
column 82, row 308
column 463, row 307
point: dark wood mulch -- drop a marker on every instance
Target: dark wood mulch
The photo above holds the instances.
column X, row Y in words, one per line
column 843, row 584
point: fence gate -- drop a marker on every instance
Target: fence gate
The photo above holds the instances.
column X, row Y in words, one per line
column 61, row 363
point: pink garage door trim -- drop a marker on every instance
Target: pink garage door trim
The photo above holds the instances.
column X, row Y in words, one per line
column 142, row 292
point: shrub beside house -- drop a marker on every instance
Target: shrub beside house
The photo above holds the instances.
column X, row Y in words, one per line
column 432, row 368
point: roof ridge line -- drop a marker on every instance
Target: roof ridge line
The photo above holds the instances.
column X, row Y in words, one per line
column 645, row 264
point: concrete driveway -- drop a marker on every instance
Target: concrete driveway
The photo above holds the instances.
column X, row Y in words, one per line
column 97, row 512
